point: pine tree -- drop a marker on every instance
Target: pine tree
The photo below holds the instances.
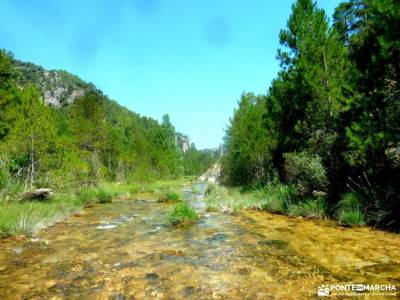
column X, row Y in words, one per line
column 32, row 139
column 318, row 62
column 8, row 93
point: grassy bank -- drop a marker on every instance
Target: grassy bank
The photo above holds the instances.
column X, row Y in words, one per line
column 283, row 199
column 26, row 217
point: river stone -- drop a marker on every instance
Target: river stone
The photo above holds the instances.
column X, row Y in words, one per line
column 244, row 271
column 119, row 296
column 219, row 237
column 187, row 291
column 172, row 252
column 278, row 244
column 152, row 276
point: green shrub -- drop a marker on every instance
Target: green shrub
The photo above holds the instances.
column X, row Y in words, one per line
column 350, row 201
column 306, row 171
column 351, row 218
column 170, row 197
column 5, row 177
column 103, row 196
column 182, row 213
column 133, row 190
column 309, row 209
column 278, row 197
column 350, row 210
column 275, row 205
column 85, row 195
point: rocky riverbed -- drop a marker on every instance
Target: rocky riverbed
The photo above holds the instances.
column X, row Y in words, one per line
column 127, row 250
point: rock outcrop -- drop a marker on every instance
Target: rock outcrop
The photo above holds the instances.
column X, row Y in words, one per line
column 182, row 141
column 58, row 88
column 213, row 174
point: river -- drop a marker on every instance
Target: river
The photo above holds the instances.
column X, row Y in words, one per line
column 127, row 250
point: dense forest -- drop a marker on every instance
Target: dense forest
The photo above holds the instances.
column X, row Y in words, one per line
column 329, row 126
column 59, row 132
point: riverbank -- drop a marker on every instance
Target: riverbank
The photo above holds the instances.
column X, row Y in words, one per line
column 282, row 199
column 27, row 217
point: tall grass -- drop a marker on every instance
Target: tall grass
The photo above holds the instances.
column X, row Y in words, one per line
column 350, row 210
column 132, row 189
column 182, row 213
column 275, row 198
column 310, row 208
column 170, row 196
column 27, row 217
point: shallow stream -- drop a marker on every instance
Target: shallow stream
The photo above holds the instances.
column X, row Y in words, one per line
column 127, row 250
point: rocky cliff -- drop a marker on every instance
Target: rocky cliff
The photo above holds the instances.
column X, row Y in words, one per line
column 59, row 88
column 182, row 141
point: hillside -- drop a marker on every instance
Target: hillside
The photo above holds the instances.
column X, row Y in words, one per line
column 58, row 130
column 60, row 88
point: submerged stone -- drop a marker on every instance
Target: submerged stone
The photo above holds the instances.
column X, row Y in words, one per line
column 152, row 276
column 278, row 244
column 244, row 271
column 119, row 296
column 219, row 237
column 187, row 291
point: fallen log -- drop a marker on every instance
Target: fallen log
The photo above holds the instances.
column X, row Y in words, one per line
column 38, row 194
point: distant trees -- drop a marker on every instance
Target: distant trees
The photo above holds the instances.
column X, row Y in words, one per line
column 7, row 92
column 90, row 140
column 195, row 162
column 336, row 100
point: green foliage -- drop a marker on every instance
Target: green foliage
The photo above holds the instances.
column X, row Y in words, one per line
column 103, row 197
column 351, row 218
column 181, row 214
column 310, row 208
column 196, row 162
column 306, row 171
column 84, row 142
column 249, row 142
column 278, row 197
column 86, row 195
column 330, row 120
column 210, row 189
column 28, row 217
column 273, row 197
column 7, row 93
column 170, row 197
column 350, row 201
column 135, row 189
column 370, row 31
column 350, row 210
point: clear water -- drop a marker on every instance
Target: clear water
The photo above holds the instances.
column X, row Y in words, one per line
column 126, row 250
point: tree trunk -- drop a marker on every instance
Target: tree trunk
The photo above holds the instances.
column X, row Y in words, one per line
column 39, row 194
column 327, row 83
column 31, row 168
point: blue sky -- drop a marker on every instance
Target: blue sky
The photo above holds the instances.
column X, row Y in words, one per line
column 191, row 59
